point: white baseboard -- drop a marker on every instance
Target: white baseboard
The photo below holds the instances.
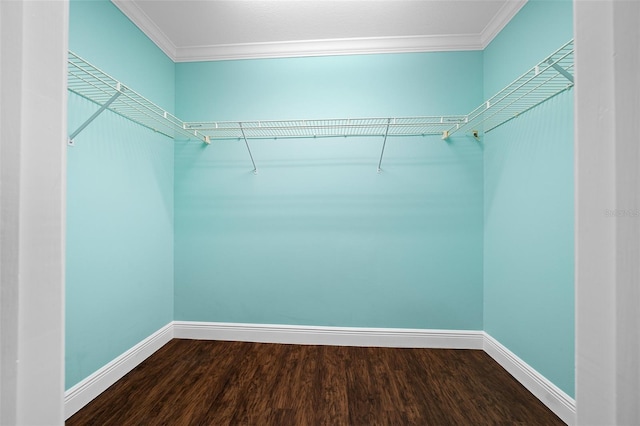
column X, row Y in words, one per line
column 549, row 394
column 336, row 336
column 82, row 393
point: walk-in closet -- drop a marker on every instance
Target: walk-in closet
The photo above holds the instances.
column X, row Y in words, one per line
column 412, row 199
column 355, row 208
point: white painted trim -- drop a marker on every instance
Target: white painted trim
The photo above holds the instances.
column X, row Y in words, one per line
column 33, row 107
column 84, row 392
column 141, row 20
column 549, row 394
column 346, row 46
column 500, row 20
column 607, row 198
column 299, row 48
column 337, row 336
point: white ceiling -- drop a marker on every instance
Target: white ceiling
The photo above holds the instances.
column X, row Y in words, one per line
column 188, row 30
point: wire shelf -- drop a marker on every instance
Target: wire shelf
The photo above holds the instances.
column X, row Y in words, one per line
column 91, row 83
column 547, row 79
column 339, row 127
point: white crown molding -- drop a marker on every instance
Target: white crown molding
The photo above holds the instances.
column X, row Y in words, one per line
column 336, row 336
column 300, row 48
column 549, row 394
column 500, row 20
column 346, row 46
column 85, row 391
column 141, row 20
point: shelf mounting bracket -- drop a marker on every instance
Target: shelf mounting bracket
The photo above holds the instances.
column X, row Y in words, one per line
column 95, row 115
column 386, row 133
column 255, row 169
column 566, row 74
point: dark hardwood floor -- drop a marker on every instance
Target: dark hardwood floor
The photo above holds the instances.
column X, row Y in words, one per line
column 191, row 382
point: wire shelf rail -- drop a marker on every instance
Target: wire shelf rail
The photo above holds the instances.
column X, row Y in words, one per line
column 326, row 128
column 547, row 79
column 88, row 81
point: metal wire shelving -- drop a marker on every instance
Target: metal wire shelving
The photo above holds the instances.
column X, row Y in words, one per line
column 337, row 127
column 547, row 79
column 88, row 81
column 326, row 128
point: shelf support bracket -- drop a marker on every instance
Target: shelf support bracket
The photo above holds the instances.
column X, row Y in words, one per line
column 255, row 169
column 95, row 115
column 561, row 70
column 384, row 143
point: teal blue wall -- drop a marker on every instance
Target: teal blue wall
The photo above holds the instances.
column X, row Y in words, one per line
column 119, row 286
column 318, row 237
column 102, row 35
column 452, row 235
column 529, row 211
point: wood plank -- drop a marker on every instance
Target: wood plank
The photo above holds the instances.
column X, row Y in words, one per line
column 192, row 382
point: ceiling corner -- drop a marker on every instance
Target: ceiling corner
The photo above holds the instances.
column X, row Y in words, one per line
column 140, row 19
column 135, row 12
column 500, row 20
